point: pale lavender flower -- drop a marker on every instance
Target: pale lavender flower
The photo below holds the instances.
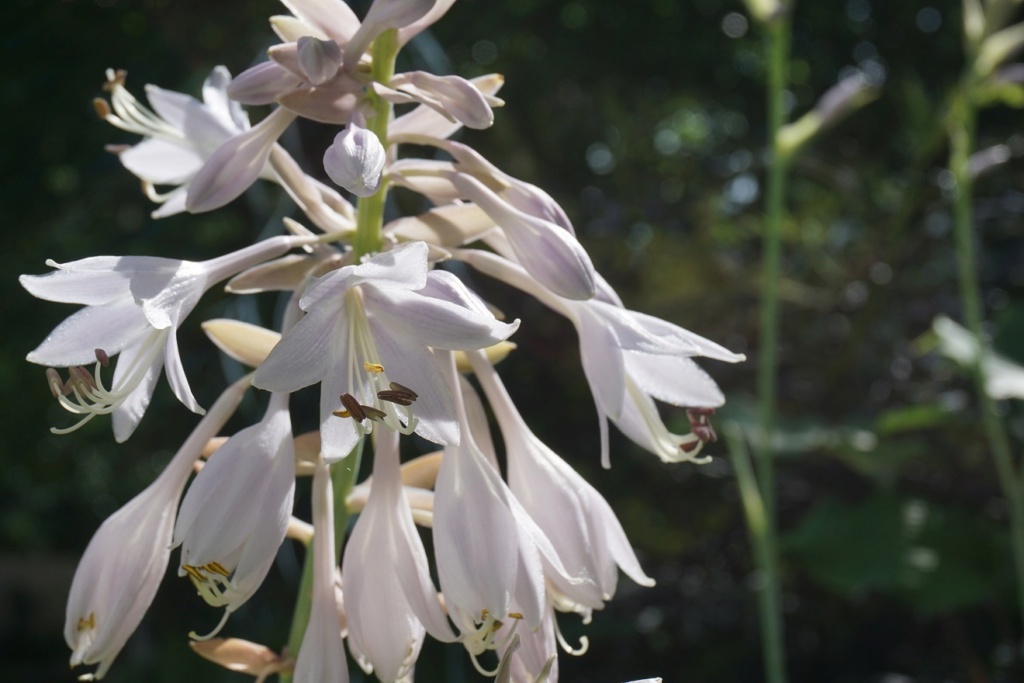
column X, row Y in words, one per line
column 235, row 514
column 121, row 569
column 391, row 600
column 372, row 324
column 180, row 134
column 321, row 658
column 133, row 307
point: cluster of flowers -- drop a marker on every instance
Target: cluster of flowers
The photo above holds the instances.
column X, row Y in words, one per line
column 388, row 336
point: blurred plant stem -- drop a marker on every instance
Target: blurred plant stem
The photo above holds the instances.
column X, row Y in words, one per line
column 778, row 44
column 343, row 478
column 962, row 130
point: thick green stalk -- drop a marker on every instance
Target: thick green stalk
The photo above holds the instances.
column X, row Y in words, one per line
column 762, row 538
column 962, row 141
column 370, row 210
column 778, row 39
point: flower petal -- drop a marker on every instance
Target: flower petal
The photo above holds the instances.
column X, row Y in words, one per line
column 161, row 162
column 111, row 327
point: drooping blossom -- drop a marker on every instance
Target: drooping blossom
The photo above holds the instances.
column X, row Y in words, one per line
column 629, row 359
column 321, row 658
column 235, row 514
column 373, row 328
column 133, row 307
column 122, row 567
column 391, row 600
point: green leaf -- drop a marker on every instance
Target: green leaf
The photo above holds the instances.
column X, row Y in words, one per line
column 934, row 557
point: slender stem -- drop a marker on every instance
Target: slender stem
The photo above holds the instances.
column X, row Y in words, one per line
column 370, row 211
column 343, row 479
column 762, row 538
column 962, row 141
column 772, row 627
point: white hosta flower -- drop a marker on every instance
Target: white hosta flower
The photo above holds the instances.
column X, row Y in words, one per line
column 573, row 515
column 236, row 164
column 426, row 121
column 355, row 160
column 121, row 568
column 490, row 554
column 133, row 307
column 180, row 134
column 321, row 658
column 530, row 656
column 630, row 359
column 235, row 514
column 370, row 330
column 390, row 596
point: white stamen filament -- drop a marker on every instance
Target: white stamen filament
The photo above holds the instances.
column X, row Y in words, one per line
column 90, row 397
column 131, row 116
column 669, row 445
column 584, row 641
column 364, row 362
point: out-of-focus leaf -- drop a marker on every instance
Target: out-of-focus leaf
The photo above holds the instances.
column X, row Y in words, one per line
column 799, row 437
column 911, row 418
column 935, row 557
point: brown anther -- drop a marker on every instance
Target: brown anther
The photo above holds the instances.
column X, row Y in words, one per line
column 57, row 386
column 81, row 378
column 704, row 432
column 704, row 412
column 355, row 410
column 689, row 446
column 395, row 386
column 101, row 107
column 119, row 78
column 373, row 413
column 217, row 568
column 700, row 425
column 102, row 357
column 400, row 397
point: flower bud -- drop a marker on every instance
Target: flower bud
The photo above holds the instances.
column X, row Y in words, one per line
column 355, row 160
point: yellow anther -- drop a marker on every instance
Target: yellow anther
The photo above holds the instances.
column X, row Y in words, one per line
column 218, row 568
column 341, row 413
column 87, row 623
column 515, row 615
column 194, row 574
column 373, row 367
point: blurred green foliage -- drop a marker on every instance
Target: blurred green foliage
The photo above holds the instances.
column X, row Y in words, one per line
column 645, row 120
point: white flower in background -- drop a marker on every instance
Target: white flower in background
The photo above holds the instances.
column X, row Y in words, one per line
column 629, row 359
column 133, row 307
column 370, row 331
column 125, row 561
column 390, row 596
column 1003, row 378
column 355, row 160
column 181, row 133
column 321, row 658
column 571, row 513
column 235, row 514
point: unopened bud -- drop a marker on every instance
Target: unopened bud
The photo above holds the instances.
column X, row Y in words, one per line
column 319, row 60
column 355, row 160
column 235, row 654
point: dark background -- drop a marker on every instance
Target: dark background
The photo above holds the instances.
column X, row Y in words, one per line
column 645, row 121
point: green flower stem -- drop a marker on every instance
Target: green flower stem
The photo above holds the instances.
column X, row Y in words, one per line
column 762, row 538
column 343, row 479
column 962, row 141
column 778, row 39
column 370, row 210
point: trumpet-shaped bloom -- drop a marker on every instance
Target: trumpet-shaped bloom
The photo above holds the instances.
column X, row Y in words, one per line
column 573, row 515
column 374, row 326
column 122, row 567
column 390, row 596
column 629, row 359
column 321, row 658
column 490, row 554
column 180, row 134
column 236, row 512
column 133, row 307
